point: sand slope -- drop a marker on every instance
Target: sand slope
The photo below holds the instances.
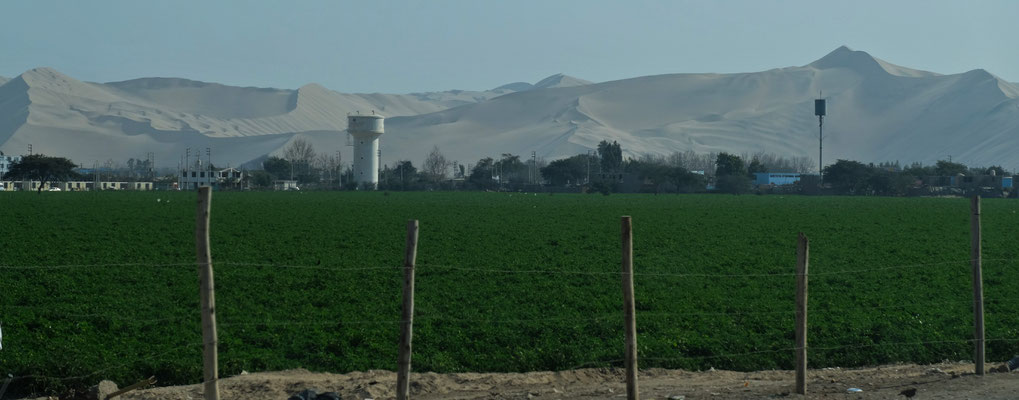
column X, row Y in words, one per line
column 90, row 122
column 878, row 111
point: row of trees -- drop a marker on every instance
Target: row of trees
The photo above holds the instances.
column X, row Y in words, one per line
column 602, row 169
column 889, row 179
column 679, row 171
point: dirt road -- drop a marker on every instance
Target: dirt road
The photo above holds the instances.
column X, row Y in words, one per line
column 940, row 381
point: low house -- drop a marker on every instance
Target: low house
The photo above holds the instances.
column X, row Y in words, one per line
column 194, row 178
column 285, row 185
column 776, row 178
column 74, row 186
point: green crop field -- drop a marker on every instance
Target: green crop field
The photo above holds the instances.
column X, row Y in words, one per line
column 505, row 282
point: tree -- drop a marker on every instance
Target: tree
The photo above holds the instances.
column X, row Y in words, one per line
column 261, row 179
column 889, row 183
column 663, row 175
column 39, row 167
column 848, row 177
column 730, row 174
column 567, row 170
column 729, row 164
column 995, row 170
column 279, row 168
column 756, row 166
column 435, row 166
column 405, row 173
column 611, row 155
column 948, row 168
column 482, row 173
column 511, row 169
column 919, row 171
column 300, row 154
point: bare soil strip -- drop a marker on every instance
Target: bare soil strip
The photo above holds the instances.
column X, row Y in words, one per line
column 939, row 381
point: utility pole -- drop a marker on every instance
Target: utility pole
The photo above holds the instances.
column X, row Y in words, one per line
column 208, row 156
column 819, row 111
column 588, row 167
column 187, row 168
column 534, row 167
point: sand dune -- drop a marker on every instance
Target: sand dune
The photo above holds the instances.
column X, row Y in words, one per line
column 559, row 80
column 878, row 111
column 91, row 122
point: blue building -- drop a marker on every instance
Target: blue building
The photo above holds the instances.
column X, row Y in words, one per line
column 776, row 178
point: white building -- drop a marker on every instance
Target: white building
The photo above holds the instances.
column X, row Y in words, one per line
column 198, row 177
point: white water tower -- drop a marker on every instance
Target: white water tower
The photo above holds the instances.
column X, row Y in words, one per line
column 366, row 130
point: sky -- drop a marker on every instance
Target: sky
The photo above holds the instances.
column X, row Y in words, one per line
column 418, row 46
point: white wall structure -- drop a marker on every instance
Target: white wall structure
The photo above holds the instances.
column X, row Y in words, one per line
column 366, row 130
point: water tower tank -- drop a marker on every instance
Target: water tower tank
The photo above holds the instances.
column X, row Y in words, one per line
column 366, row 130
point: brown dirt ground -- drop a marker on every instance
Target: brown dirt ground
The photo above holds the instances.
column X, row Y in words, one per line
column 939, row 381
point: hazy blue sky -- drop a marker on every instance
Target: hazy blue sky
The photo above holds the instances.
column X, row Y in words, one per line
column 413, row 46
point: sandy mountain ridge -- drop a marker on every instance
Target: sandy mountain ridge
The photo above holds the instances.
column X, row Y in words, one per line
column 878, row 111
column 85, row 121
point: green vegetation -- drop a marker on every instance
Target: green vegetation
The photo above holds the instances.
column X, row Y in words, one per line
column 481, row 305
column 42, row 168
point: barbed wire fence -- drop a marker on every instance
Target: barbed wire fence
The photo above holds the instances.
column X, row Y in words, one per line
column 408, row 320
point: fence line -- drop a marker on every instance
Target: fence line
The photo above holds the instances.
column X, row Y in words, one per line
column 689, row 275
column 497, row 270
column 74, row 266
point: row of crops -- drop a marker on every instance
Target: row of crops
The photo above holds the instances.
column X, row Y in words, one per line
column 505, row 282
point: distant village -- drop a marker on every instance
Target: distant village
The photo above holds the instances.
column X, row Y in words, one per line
column 601, row 171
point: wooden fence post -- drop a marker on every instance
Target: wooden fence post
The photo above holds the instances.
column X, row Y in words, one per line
column 802, row 262
column 976, row 256
column 407, row 319
column 628, row 311
column 208, row 295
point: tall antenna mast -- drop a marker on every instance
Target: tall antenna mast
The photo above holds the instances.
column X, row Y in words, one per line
column 819, row 111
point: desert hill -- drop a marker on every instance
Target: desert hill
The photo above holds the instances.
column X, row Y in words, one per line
column 878, row 111
column 60, row 115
